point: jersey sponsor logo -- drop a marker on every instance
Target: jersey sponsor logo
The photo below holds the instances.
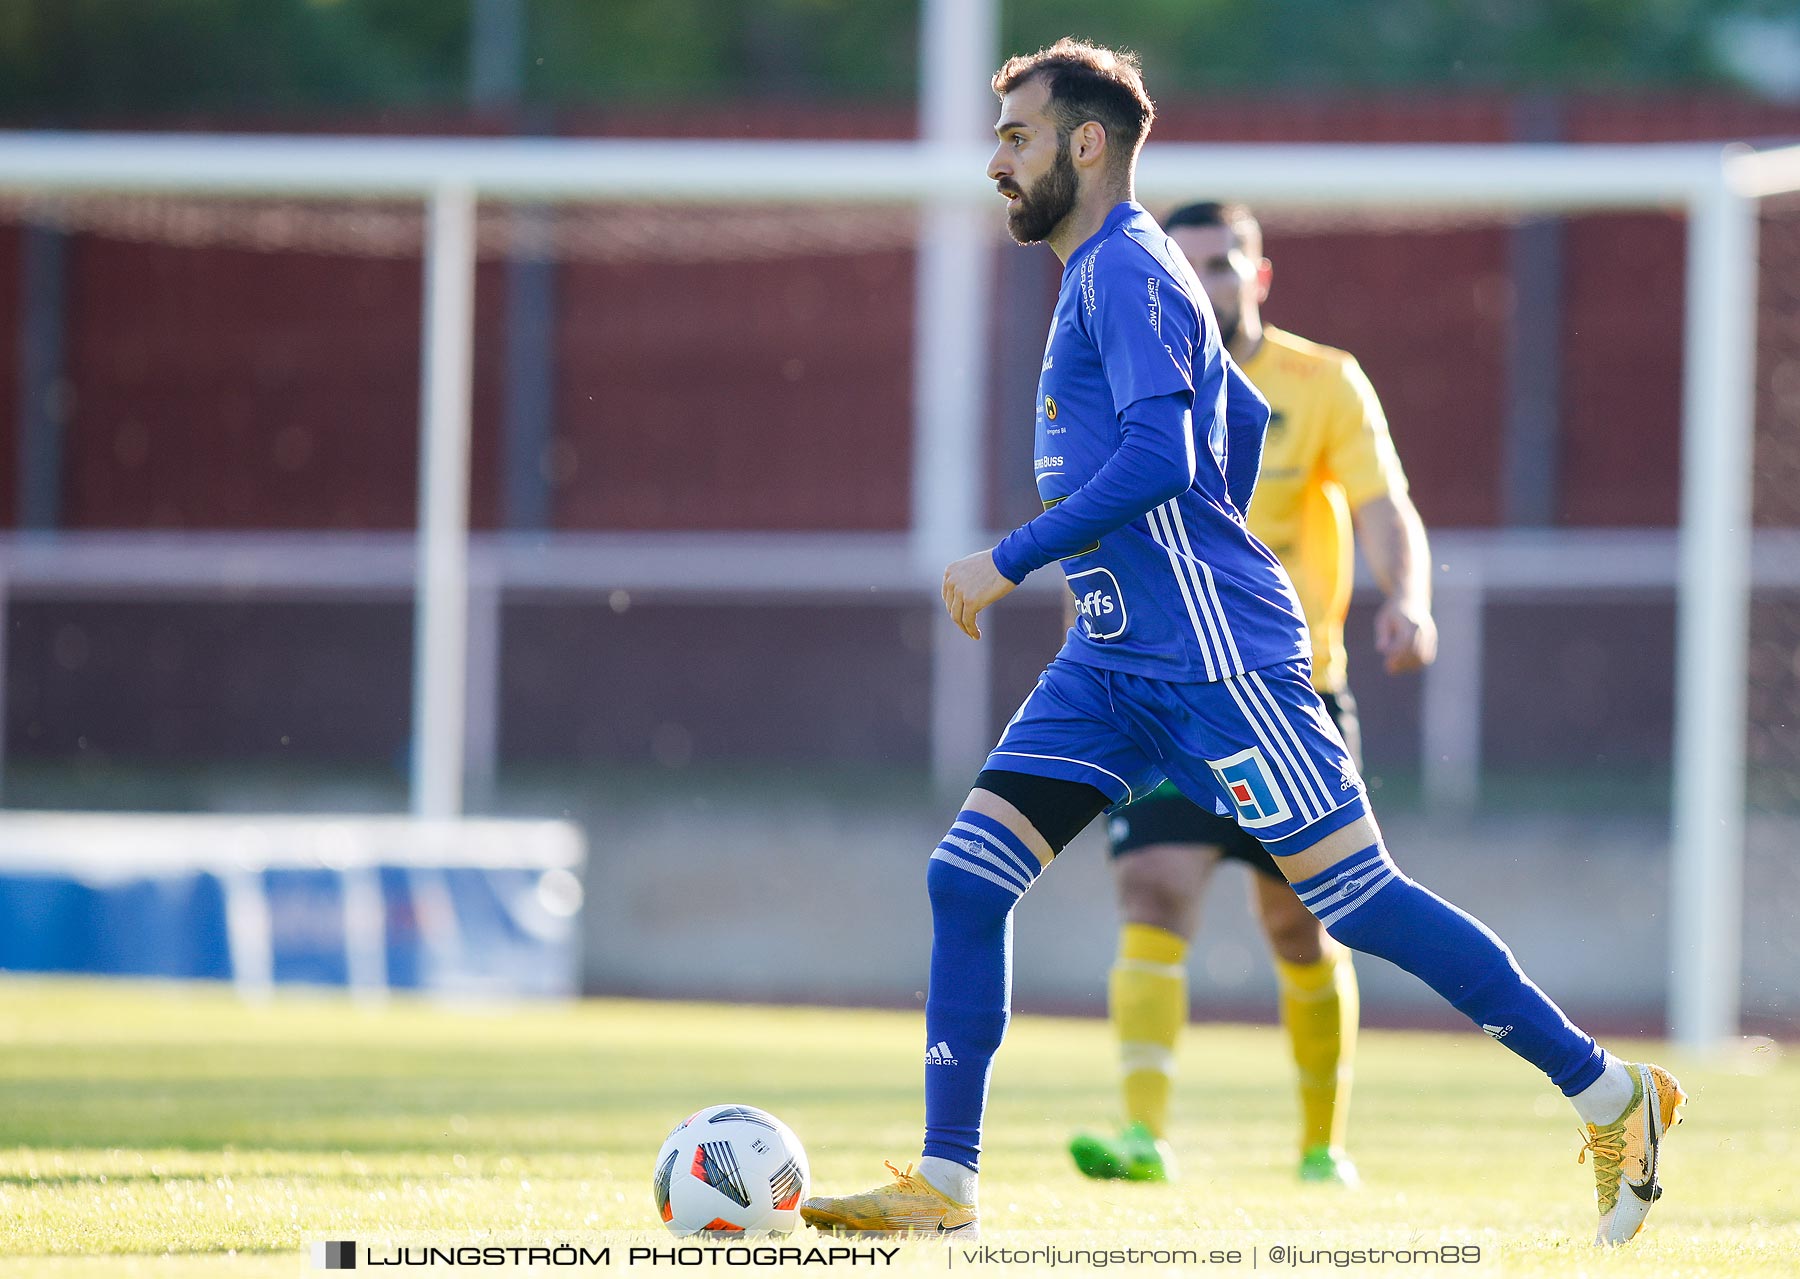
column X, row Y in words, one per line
column 1049, row 363
column 1050, row 405
column 1156, row 310
column 1247, row 782
column 1047, row 462
column 1090, row 300
column 1099, row 603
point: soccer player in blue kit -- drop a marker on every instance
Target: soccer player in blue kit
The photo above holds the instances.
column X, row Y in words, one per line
column 1188, row 660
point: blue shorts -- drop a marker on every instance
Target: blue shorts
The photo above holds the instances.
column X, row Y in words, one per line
column 1260, row 747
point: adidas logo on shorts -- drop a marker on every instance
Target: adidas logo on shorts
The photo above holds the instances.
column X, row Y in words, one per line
column 939, row 1055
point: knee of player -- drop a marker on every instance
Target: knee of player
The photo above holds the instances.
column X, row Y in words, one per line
column 1161, row 891
column 966, row 889
column 1298, row 938
column 1282, row 913
column 981, row 866
column 1169, row 911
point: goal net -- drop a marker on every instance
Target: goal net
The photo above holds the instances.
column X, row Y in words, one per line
column 701, row 494
column 1771, row 876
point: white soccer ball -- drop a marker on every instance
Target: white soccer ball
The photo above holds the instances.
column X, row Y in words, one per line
column 730, row 1170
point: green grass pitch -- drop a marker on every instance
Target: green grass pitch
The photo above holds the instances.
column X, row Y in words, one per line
column 148, row 1129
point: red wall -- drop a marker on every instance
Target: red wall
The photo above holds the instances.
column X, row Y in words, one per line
column 1622, row 393
column 230, row 388
column 745, row 395
column 225, row 388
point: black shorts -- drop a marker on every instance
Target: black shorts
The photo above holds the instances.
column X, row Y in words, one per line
column 1166, row 816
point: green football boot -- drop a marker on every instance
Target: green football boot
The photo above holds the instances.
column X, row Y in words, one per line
column 1328, row 1166
column 1136, row 1154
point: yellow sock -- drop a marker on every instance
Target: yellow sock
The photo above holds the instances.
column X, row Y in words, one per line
column 1319, row 1008
column 1147, row 994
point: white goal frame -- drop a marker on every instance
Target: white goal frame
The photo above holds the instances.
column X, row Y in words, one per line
column 1716, row 185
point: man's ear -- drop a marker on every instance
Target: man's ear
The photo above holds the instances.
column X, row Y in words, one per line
column 1088, row 144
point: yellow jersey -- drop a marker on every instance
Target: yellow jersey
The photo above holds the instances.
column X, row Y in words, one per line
column 1328, row 451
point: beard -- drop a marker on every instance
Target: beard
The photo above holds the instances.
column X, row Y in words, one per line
column 1036, row 212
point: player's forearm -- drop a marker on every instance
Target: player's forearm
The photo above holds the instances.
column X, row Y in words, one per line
column 1153, row 464
column 1246, row 426
column 1394, row 543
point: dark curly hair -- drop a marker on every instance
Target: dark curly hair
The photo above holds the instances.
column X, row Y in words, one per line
column 1088, row 82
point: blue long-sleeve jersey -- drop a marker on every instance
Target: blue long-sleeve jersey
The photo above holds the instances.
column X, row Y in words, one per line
column 1246, row 424
column 1148, row 443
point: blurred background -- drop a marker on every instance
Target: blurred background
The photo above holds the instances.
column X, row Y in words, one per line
column 691, row 424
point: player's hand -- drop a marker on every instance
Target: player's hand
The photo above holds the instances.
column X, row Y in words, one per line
column 1405, row 636
column 970, row 585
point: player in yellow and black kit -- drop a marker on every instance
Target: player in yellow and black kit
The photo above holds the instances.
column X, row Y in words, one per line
column 1328, row 465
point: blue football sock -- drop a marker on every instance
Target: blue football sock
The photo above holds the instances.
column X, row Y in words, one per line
column 975, row 878
column 1366, row 903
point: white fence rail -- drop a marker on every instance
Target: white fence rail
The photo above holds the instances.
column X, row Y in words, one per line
column 1473, row 569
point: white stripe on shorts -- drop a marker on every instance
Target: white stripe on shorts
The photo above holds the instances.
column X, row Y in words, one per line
column 1287, row 726
column 1064, row 759
column 1253, row 719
